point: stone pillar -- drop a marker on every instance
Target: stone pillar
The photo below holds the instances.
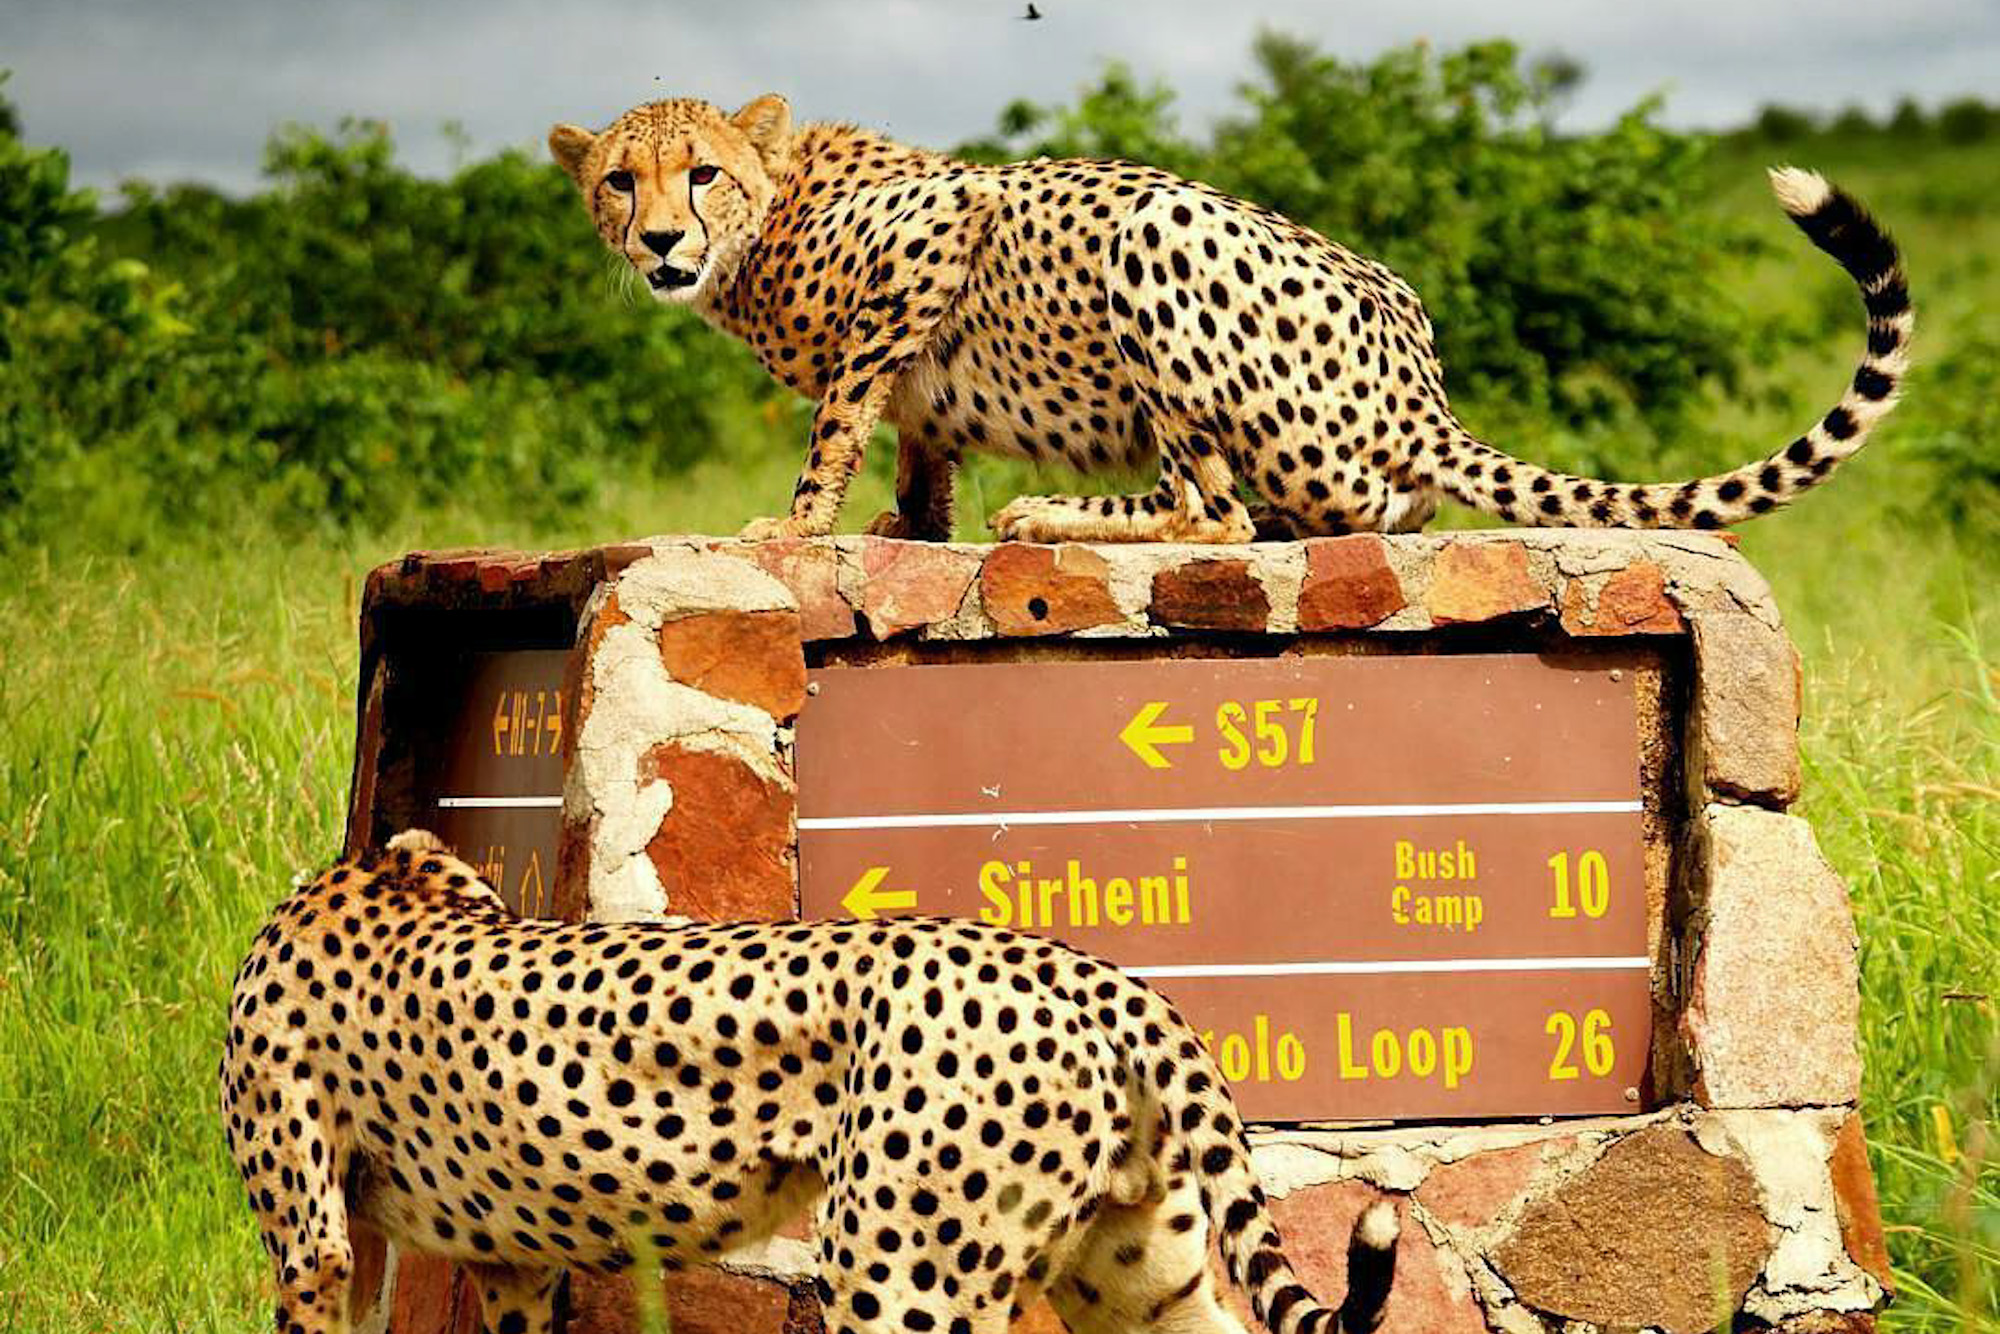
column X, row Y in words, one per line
column 1739, row 1188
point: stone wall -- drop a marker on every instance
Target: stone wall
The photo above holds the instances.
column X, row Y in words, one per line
column 1742, row 1191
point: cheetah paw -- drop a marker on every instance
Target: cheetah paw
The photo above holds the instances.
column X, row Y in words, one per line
column 1028, row 519
column 766, row 530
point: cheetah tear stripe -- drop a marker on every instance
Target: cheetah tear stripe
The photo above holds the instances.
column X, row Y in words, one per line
column 975, row 1117
column 1101, row 314
column 1478, row 475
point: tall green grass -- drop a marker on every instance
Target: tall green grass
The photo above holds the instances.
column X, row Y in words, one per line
column 175, row 733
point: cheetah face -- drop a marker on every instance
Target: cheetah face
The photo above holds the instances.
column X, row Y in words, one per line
column 679, row 187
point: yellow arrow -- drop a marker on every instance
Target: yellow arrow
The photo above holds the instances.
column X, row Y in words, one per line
column 1145, row 734
column 867, row 897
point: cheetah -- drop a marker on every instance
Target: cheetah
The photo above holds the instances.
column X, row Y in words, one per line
column 1100, row 314
column 975, row 1117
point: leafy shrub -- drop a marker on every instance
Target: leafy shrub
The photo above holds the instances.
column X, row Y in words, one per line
column 1777, row 124
column 1908, row 121
column 353, row 339
column 1967, row 121
column 73, row 324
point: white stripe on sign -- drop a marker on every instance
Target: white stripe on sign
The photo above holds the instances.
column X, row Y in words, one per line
column 1208, row 814
column 1587, row 963
column 498, row 803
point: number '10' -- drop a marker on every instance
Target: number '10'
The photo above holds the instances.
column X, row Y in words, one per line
column 1593, row 885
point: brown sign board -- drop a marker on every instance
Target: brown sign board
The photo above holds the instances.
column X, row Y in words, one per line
column 1384, row 887
column 489, row 767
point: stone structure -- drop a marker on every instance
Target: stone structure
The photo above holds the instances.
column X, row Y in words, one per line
column 1740, row 1189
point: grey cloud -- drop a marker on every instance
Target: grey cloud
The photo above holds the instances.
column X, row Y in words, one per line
column 191, row 89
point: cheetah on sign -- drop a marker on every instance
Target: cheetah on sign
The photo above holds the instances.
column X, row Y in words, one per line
column 975, row 1117
column 1097, row 314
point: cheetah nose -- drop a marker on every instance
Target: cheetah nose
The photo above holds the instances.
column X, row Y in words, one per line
column 661, row 242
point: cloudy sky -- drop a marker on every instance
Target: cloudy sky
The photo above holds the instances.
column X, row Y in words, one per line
column 188, row 89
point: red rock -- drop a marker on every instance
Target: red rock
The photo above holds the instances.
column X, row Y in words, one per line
column 724, row 851
column 812, row 571
column 753, row 657
column 607, row 617
column 1210, row 595
column 619, row 555
column 1473, row 1191
column 1855, row 1203
column 697, row 1301
column 714, row 1301
column 571, row 900
column 1036, row 590
column 1633, row 601
column 495, row 575
column 1477, row 581
column 1655, row 1232
column 1348, row 585
column 599, row 1304
column 431, row 1297
column 371, row 1260
column 462, row 569
column 912, row 584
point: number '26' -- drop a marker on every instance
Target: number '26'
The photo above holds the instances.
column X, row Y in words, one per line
column 1595, row 1046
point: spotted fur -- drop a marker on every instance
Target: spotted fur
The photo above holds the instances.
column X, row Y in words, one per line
column 974, row 1116
column 1096, row 314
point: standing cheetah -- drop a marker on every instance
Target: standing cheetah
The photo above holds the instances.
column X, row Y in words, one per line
column 1098, row 313
column 976, row 1117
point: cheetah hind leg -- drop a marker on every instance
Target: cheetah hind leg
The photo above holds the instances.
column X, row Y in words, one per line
column 1194, row 502
column 296, row 1191
column 517, row 1301
column 1137, row 1274
column 926, row 468
column 866, row 1287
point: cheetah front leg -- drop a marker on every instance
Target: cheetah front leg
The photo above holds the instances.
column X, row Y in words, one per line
column 936, row 245
column 846, row 415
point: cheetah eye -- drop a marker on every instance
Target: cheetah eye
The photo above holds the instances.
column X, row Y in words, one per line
column 701, row 175
column 620, row 180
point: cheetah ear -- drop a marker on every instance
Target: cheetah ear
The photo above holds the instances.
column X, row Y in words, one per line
column 569, row 145
column 767, row 123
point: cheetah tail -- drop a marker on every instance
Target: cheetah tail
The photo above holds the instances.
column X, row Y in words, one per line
column 1478, row 475
column 1248, row 1236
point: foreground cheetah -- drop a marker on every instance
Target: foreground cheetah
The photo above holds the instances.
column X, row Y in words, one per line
column 1097, row 313
column 976, row 1117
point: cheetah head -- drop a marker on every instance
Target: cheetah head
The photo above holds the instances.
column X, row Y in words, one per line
column 679, row 187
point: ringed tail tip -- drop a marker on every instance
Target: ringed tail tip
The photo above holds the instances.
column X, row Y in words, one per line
column 1379, row 1227
column 1800, row 193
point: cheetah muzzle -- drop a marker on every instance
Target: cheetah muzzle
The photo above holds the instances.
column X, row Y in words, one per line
column 1102, row 315
column 975, row 1117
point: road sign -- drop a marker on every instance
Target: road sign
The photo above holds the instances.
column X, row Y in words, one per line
column 1384, row 887
column 489, row 766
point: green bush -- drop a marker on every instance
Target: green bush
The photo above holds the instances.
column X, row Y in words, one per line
column 76, row 328
column 1966, row 121
column 354, row 339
